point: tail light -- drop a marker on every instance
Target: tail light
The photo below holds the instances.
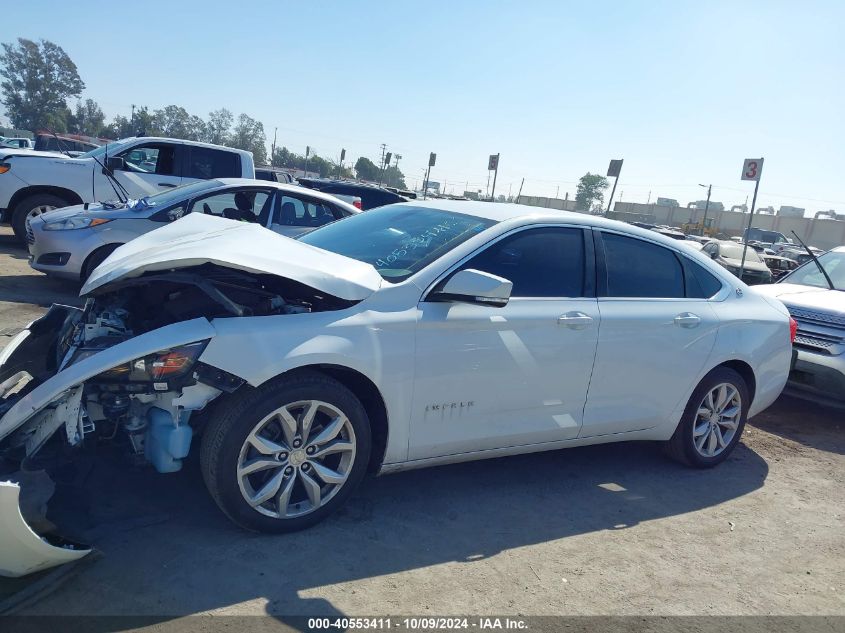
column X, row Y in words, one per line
column 793, row 329
column 357, row 204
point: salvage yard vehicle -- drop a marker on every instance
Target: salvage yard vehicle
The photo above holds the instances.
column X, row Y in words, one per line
column 412, row 335
column 72, row 242
column 729, row 255
column 370, row 196
column 814, row 294
column 778, row 265
column 32, row 183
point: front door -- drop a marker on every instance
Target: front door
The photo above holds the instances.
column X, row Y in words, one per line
column 491, row 377
column 148, row 168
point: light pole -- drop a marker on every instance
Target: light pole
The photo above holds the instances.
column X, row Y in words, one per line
column 706, row 207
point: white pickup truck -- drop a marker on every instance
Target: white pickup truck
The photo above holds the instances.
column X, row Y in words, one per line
column 33, row 182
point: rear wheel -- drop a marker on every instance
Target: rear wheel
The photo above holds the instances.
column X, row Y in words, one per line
column 713, row 420
column 31, row 207
column 286, row 455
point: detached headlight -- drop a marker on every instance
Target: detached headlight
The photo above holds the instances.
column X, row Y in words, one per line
column 160, row 366
column 75, row 222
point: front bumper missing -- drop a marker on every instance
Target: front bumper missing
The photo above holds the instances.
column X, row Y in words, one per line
column 22, row 551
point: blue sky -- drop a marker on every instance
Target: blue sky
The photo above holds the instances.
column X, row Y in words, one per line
column 682, row 90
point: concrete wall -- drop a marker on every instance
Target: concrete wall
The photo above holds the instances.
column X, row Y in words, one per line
column 548, row 203
column 821, row 233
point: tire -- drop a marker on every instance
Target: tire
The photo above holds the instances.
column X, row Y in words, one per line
column 95, row 259
column 250, row 414
column 27, row 205
column 696, row 442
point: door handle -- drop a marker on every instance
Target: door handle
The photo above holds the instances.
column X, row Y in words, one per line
column 574, row 320
column 166, row 184
column 687, row 320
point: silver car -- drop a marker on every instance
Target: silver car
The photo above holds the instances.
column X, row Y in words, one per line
column 71, row 242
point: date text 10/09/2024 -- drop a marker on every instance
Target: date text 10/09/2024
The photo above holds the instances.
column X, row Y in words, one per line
column 413, row 624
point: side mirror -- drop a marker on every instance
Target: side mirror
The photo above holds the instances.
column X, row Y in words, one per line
column 474, row 286
column 115, row 163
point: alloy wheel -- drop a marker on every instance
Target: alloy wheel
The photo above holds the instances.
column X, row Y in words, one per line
column 296, row 459
column 717, row 420
column 39, row 210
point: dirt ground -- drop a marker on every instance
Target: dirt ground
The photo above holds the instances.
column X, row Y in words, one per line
column 615, row 529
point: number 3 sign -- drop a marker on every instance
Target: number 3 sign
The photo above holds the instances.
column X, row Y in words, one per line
column 751, row 168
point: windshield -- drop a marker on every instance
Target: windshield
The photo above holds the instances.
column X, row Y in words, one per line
column 398, row 240
column 734, row 251
column 810, row 275
column 113, row 147
column 177, row 194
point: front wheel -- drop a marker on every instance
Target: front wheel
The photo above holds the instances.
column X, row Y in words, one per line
column 713, row 420
column 31, row 207
column 284, row 456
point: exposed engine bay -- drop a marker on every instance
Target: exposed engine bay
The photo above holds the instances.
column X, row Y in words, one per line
column 148, row 401
column 145, row 405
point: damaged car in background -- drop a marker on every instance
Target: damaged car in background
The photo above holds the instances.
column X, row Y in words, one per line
column 371, row 344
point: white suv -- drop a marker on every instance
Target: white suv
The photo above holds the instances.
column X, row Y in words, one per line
column 33, row 182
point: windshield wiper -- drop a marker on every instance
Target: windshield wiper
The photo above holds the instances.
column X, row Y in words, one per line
column 815, row 259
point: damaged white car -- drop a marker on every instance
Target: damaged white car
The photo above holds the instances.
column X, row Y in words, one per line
column 410, row 335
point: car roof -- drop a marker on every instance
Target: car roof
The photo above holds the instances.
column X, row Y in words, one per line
column 183, row 141
column 283, row 186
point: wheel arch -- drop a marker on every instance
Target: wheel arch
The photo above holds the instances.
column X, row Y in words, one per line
column 34, row 190
column 746, row 371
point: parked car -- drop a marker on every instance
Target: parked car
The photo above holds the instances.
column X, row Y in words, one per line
column 779, row 266
column 32, row 183
column 64, row 144
column 669, row 232
column 412, row 335
column 273, row 174
column 729, row 254
column 72, row 242
column 773, row 240
column 819, row 310
column 17, row 143
column 371, row 195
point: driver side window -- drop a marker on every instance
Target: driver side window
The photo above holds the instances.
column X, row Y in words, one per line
column 543, row 262
column 152, row 158
column 245, row 205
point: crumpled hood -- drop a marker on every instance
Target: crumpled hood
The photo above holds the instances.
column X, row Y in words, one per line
column 809, row 297
column 198, row 239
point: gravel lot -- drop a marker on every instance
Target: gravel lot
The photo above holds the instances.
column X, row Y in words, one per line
column 614, row 529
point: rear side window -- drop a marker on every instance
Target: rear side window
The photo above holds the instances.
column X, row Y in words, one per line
column 636, row 268
column 701, row 284
column 205, row 163
column 545, row 262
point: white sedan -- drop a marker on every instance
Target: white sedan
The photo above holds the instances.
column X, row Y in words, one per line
column 411, row 335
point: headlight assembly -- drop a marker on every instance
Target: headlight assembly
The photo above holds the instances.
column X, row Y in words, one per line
column 75, row 222
column 158, row 367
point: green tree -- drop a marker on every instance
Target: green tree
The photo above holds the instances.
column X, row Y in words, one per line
column 172, row 121
column 219, row 125
column 37, row 81
column 249, row 135
column 88, row 118
column 393, row 177
column 590, row 192
column 366, row 169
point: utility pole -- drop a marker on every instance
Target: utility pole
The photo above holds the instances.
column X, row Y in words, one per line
column 649, row 197
column 132, row 120
column 273, row 148
column 520, row 190
column 307, row 151
column 495, row 175
column 706, row 208
column 614, row 169
column 340, row 163
column 383, row 148
column 557, row 192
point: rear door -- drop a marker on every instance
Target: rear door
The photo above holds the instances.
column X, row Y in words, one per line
column 657, row 332
column 295, row 214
